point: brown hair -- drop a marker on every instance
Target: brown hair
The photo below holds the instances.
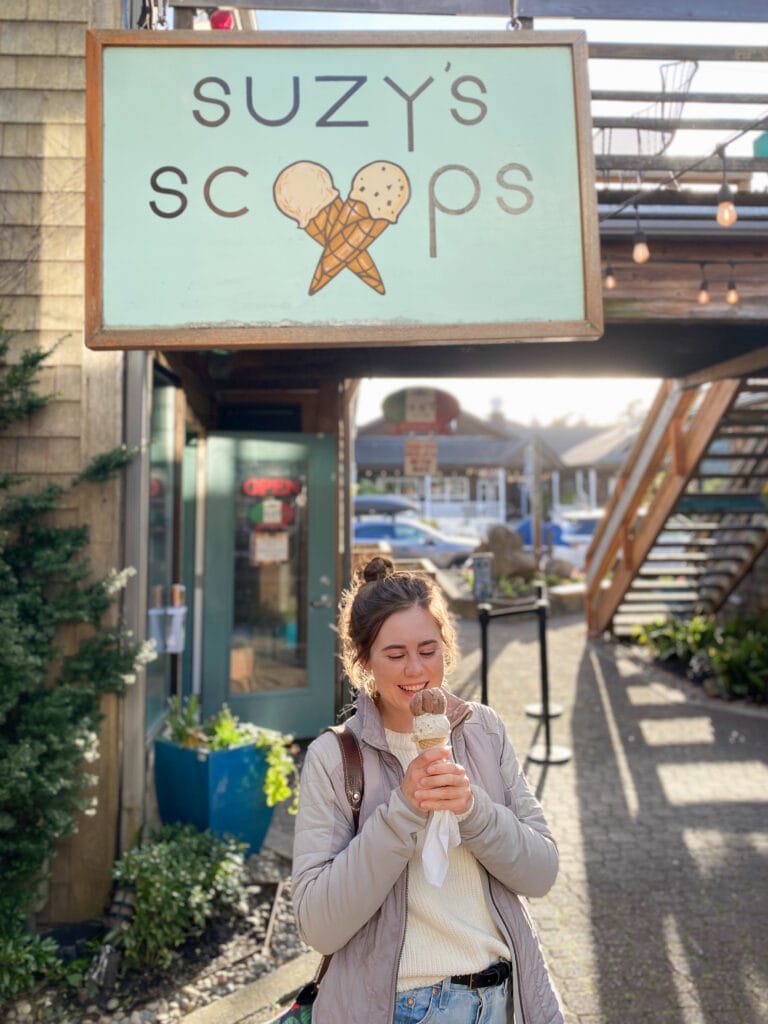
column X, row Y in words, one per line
column 378, row 590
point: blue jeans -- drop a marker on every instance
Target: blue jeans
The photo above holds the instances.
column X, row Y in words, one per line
column 446, row 1003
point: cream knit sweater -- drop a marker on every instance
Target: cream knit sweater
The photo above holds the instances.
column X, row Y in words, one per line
column 449, row 929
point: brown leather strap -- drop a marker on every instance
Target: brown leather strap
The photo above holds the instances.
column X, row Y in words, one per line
column 352, row 762
column 354, row 784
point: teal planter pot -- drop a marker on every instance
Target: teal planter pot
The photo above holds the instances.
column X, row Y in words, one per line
column 220, row 790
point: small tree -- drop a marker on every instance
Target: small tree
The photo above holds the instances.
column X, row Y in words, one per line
column 50, row 698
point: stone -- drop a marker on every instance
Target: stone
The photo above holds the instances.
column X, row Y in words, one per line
column 509, row 559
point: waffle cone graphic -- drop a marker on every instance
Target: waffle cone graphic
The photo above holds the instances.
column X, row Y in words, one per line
column 379, row 192
column 305, row 192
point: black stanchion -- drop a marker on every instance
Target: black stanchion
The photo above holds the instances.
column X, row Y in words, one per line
column 484, row 615
column 545, row 753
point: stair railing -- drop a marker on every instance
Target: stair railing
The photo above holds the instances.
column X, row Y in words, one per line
column 672, row 436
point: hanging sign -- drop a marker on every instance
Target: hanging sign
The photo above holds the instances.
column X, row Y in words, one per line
column 281, row 189
column 268, row 548
column 421, row 410
column 420, row 456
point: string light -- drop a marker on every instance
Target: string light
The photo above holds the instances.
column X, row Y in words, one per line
column 726, row 211
column 732, row 295
column 674, row 176
column 640, row 251
column 704, row 296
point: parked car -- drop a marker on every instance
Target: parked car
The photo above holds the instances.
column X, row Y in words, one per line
column 408, row 537
column 383, row 505
column 578, row 529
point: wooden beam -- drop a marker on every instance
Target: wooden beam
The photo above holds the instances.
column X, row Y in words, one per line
column 653, row 95
column 676, row 124
column 633, row 162
column 680, row 51
column 741, row 366
column 650, row 10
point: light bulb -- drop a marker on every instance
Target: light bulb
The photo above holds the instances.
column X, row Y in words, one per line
column 726, row 211
column 704, row 296
column 610, row 278
column 640, row 252
column 732, row 295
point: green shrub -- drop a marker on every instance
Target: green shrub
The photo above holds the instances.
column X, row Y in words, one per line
column 736, row 652
column 181, row 879
column 25, row 960
column 740, row 658
column 675, row 639
column 50, row 698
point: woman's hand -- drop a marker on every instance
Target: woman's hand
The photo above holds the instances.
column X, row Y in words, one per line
column 435, row 783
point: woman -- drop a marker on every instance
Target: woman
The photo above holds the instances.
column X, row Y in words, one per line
column 404, row 950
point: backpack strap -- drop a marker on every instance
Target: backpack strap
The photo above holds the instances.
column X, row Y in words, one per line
column 354, row 784
column 352, row 762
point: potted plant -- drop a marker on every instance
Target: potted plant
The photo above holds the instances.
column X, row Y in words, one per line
column 223, row 775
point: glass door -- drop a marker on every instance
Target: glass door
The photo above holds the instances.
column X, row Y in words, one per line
column 269, row 592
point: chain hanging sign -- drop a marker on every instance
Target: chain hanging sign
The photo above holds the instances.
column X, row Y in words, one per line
column 280, row 189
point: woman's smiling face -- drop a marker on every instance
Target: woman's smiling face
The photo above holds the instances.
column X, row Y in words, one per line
column 406, row 656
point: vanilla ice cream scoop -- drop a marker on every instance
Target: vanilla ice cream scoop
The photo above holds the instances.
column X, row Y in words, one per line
column 431, row 727
column 302, row 190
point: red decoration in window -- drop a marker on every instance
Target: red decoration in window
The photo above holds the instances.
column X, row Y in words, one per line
column 222, row 19
column 264, row 486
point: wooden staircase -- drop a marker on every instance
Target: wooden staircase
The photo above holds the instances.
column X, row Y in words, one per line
column 689, row 514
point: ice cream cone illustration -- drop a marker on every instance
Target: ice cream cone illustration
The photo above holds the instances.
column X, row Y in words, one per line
column 379, row 192
column 431, row 727
column 304, row 191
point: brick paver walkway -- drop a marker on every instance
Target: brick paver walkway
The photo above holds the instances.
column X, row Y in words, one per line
column 660, row 913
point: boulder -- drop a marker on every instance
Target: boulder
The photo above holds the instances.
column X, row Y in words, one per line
column 509, row 559
column 560, row 567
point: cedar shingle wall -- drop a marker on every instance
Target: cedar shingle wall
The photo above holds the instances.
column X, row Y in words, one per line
column 42, row 174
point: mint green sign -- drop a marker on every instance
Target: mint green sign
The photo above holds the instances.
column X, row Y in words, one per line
column 340, row 189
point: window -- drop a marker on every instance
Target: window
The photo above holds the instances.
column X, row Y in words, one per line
column 162, row 530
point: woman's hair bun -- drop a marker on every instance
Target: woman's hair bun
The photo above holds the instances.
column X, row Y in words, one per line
column 377, row 569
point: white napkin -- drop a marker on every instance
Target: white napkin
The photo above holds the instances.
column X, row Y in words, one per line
column 442, row 833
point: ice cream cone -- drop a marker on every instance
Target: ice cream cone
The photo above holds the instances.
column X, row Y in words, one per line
column 379, row 192
column 305, row 192
column 345, row 247
column 438, row 741
column 321, row 225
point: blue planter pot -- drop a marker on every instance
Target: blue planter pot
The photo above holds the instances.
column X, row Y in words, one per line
column 220, row 790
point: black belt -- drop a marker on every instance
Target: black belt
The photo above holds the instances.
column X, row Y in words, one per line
column 493, row 975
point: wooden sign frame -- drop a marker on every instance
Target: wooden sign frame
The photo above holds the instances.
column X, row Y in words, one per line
column 276, row 333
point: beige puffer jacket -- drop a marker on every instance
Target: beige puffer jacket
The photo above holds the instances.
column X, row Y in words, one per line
column 349, row 891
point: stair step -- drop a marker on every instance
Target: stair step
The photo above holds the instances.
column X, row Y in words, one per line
column 641, row 618
column 672, row 596
column 711, row 525
column 722, row 474
column 703, row 542
column 682, row 570
column 654, row 584
column 721, row 503
column 677, row 556
column 658, row 606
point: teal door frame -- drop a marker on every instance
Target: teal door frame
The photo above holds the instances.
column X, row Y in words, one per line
column 301, row 711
